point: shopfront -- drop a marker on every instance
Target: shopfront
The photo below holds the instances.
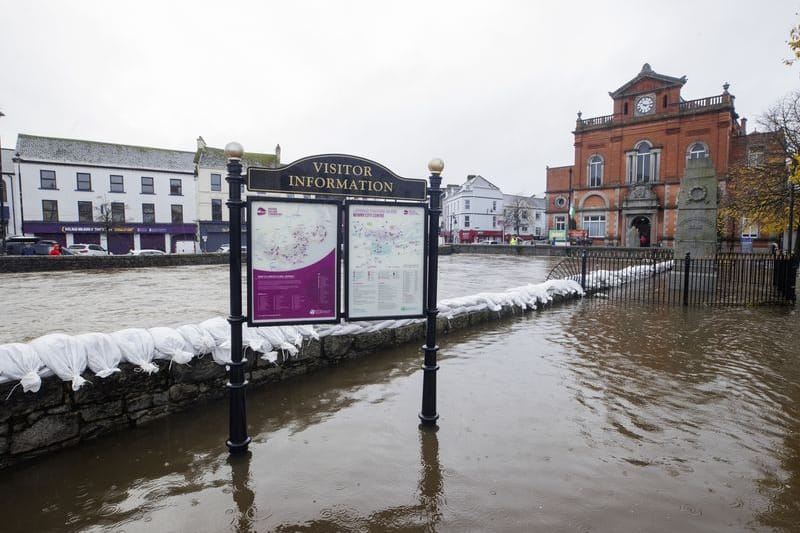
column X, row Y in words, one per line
column 119, row 239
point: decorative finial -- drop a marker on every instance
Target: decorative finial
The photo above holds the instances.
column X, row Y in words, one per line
column 646, row 68
column 725, row 87
column 579, row 115
column 436, row 166
column 234, row 150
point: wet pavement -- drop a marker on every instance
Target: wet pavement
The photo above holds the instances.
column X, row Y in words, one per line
column 589, row 416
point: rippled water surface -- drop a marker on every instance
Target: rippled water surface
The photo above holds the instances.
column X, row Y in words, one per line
column 590, row 416
column 76, row 302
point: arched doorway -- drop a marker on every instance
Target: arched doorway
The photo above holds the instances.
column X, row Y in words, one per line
column 642, row 226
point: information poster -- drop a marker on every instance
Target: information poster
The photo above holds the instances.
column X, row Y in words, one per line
column 385, row 261
column 292, row 261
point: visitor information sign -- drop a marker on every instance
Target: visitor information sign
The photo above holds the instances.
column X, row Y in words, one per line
column 292, row 261
column 384, row 260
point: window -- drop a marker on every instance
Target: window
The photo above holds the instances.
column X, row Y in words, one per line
column 595, row 225
column 494, row 221
column 149, row 213
column 595, row 171
column 117, row 212
column 755, row 156
column 116, row 183
column 216, row 182
column 47, row 179
column 625, row 108
column 749, row 229
column 147, row 185
column 84, row 181
column 560, row 222
column 216, row 210
column 560, row 202
column 466, row 204
column 494, row 206
column 538, row 216
column 177, row 214
column 49, row 211
column 85, row 212
column 175, row 187
column 697, row 151
column 643, row 163
column 466, row 220
column 537, row 231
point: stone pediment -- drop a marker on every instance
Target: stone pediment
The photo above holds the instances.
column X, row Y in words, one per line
column 647, row 79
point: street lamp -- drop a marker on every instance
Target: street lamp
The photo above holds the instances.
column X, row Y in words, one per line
column 2, row 200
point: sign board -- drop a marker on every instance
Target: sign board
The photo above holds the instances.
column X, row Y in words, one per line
column 336, row 175
column 293, row 261
column 384, row 260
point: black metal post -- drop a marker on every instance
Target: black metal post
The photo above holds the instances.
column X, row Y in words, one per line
column 428, row 415
column 238, row 440
column 790, row 244
column 686, row 262
column 583, row 269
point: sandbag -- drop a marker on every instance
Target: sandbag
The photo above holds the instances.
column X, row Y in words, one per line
column 64, row 355
column 137, row 347
column 196, row 339
column 170, row 345
column 20, row 362
column 102, row 353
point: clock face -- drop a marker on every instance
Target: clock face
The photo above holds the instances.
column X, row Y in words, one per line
column 645, row 104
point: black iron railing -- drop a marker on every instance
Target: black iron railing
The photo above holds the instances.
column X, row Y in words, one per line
column 656, row 276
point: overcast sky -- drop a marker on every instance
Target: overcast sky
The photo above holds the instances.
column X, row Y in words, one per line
column 491, row 87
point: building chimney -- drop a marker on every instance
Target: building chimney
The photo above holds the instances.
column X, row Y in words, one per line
column 201, row 144
column 277, row 153
column 744, row 126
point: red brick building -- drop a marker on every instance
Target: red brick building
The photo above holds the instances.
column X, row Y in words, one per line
column 623, row 185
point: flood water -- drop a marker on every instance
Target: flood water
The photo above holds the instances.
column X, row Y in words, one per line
column 591, row 416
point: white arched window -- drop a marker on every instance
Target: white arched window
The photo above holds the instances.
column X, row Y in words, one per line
column 595, row 171
column 697, row 150
column 643, row 163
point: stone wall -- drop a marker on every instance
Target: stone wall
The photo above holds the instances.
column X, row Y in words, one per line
column 43, row 263
column 56, row 417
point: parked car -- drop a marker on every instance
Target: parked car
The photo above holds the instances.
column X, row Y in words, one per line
column 15, row 244
column 44, row 247
column 225, row 248
column 147, row 252
column 87, row 249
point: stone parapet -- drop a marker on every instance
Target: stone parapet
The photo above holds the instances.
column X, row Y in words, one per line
column 56, row 417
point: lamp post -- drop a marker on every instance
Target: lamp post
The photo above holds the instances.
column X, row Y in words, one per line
column 2, row 200
column 238, row 440
column 428, row 416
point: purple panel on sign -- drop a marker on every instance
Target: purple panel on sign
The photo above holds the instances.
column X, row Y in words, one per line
column 307, row 293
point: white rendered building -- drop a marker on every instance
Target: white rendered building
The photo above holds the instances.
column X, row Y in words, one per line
column 212, row 190
column 119, row 196
column 472, row 212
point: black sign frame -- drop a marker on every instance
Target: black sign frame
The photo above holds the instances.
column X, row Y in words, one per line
column 337, row 175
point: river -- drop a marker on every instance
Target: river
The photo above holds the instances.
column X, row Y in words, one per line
column 596, row 415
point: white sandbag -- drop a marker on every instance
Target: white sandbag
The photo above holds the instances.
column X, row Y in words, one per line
column 20, row 362
column 292, row 335
column 273, row 334
column 218, row 328
column 196, row 339
column 170, row 345
column 253, row 340
column 102, row 353
column 62, row 354
column 308, row 331
column 137, row 348
column 222, row 353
